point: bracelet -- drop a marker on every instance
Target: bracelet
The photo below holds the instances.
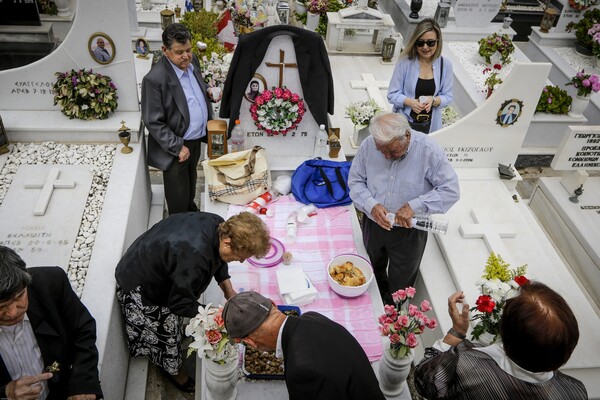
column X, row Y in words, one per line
column 457, row 334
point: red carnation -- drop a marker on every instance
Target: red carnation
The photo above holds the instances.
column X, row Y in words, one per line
column 485, row 304
column 521, row 280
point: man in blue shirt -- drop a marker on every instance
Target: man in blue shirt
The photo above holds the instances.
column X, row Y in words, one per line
column 175, row 109
column 404, row 172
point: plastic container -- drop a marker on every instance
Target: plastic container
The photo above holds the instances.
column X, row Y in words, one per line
column 435, row 225
column 238, row 137
column 258, row 203
column 320, row 149
column 291, row 229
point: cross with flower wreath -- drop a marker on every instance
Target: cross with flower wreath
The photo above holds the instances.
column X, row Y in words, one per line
column 281, row 65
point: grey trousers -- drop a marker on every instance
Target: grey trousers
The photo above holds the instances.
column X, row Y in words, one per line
column 401, row 249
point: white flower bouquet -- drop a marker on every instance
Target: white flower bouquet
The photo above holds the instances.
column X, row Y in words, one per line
column 210, row 336
column 361, row 112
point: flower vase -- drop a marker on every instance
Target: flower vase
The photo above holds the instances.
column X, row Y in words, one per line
column 393, row 373
column 312, row 21
column 221, row 380
column 487, row 339
column 300, row 8
column 361, row 132
column 490, row 90
column 579, row 105
column 583, row 50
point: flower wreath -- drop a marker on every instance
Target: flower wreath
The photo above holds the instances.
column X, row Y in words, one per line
column 277, row 111
column 85, row 94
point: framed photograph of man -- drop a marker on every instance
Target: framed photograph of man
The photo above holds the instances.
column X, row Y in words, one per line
column 3, row 138
column 509, row 112
column 142, row 48
column 255, row 87
column 101, row 48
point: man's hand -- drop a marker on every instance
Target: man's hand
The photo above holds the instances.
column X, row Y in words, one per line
column 82, row 397
column 379, row 213
column 460, row 319
column 184, row 154
column 404, row 216
column 26, row 387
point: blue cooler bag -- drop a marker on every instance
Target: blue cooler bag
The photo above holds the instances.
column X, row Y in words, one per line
column 323, row 183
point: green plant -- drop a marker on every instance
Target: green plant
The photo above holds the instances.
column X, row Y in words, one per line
column 496, row 43
column 84, row 94
column 202, row 27
column 493, row 78
column 581, row 27
column 47, row 7
column 554, row 100
column 585, row 83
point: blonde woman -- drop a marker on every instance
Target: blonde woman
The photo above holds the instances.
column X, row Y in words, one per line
column 422, row 81
column 164, row 272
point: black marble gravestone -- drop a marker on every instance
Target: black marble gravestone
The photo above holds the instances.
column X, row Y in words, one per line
column 19, row 12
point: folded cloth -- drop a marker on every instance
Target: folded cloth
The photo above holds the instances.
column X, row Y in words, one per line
column 295, row 287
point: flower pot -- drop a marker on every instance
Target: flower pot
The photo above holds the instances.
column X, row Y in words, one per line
column 579, row 105
column 300, row 8
column 312, row 21
column 487, row 338
column 361, row 132
column 583, row 50
column 490, row 90
column 393, row 373
column 221, row 380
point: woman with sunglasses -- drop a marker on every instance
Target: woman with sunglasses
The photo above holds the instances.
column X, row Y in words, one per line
column 422, row 80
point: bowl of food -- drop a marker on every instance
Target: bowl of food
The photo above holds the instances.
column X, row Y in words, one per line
column 349, row 275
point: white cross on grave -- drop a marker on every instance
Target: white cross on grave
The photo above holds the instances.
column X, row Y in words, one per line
column 52, row 182
column 373, row 89
column 491, row 233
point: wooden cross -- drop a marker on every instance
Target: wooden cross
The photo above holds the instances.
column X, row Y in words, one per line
column 281, row 65
column 491, row 233
column 373, row 89
column 52, row 182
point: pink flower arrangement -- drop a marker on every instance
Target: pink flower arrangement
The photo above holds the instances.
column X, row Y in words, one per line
column 585, row 83
column 277, row 111
column 210, row 336
column 318, row 6
column 404, row 321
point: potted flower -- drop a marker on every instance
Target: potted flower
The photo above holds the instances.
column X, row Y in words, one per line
column 498, row 284
column 84, row 94
column 360, row 114
column 583, row 40
column 554, row 100
column 594, row 32
column 493, row 79
column 585, row 85
column 401, row 323
column 277, row 111
column 211, row 342
column 496, row 43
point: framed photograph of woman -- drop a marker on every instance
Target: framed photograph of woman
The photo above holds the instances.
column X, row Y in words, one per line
column 509, row 112
column 101, row 48
column 3, row 139
column 255, row 87
column 142, row 48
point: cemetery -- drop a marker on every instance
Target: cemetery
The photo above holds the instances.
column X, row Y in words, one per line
column 76, row 187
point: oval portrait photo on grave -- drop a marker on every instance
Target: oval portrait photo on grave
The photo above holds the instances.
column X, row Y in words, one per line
column 101, row 48
column 142, row 48
column 255, row 87
column 509, row 112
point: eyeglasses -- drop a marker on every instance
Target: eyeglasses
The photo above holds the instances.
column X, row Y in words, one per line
column 429, row 43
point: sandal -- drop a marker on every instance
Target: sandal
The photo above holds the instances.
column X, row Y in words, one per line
column 188, row 387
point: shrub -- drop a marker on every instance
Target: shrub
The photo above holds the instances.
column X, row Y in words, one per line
column 554, row 100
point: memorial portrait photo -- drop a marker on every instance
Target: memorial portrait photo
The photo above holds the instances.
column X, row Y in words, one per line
column 101, row 48
column 256, row 86
column 141, row 47
column 509, row 112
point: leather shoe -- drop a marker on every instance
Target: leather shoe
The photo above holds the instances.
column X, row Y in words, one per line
column 188, row 387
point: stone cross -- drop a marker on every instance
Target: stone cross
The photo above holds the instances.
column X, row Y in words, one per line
column 373, row 89
column 281, row 65
column 491, row 233
column 52, row 182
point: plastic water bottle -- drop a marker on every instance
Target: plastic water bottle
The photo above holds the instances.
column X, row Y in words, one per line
column 320, row 143
column 291, row 228
column 424, row 223
column 237, row 137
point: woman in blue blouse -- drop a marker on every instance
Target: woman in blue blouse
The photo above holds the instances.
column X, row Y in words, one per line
column 422, row 72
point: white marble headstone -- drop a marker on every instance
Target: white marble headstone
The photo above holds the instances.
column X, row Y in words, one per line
column 580, row 149
column 569, row 14
column 47, row 239
column 298, row 142
column 475, row 13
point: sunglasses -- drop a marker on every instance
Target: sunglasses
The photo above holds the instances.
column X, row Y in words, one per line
column 429, row 43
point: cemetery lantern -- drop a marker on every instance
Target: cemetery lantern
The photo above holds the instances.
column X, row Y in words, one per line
column 388, row 49
column 283, row 11
column 167, row 17
column 125, row 137
column 548, row 18
column 415, row 7
column 506, row 22
column 442, row 12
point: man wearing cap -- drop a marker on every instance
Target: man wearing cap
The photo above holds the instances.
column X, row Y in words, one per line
column 322, row 360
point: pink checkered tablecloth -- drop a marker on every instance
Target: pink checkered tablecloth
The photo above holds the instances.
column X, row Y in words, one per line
column 327, row 234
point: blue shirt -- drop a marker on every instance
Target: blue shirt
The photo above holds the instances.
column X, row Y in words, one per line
column 195, row 101
column 423, row 178
column 404, row 83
